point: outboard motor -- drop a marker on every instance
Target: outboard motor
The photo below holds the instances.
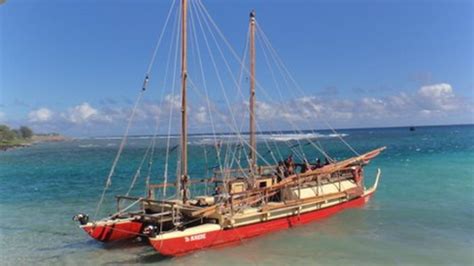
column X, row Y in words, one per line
column 81, row 218
column 150, row 230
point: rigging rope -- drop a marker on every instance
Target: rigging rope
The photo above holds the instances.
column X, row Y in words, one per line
column 239, row 86
column 204, row 10
column 170, row 118
column 117, row 156
column 287, row 118
column 220, row 81
column 235, row 55
column 155, row 51
column 319, row 148
column 280, row 62
column 175, row 38
column 277, row 86
column 150, row 161
column 137, row 173
column 234, row 124
column 108, row 182
column 203, row 77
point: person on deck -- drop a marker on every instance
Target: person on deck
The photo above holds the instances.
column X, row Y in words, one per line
column 318, row 164
column 281, row 171
column 305, row 166
column 326, row 161
column 289, row 165
column 291, row 169
column 217, row 190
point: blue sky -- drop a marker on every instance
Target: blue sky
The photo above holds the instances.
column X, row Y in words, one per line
column 77, row 66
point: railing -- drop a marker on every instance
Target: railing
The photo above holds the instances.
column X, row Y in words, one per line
column 120, row 198
column 241, row 172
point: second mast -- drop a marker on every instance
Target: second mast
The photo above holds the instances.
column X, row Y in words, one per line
column 184, row 119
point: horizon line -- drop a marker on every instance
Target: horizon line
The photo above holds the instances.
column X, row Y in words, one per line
column 275, row 131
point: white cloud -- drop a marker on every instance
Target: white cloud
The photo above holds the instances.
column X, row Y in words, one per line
column 152, row 110
column 83, row 113
column 437, row 90
column 40, row 115
column 427, row 104
column 306, row 99
column 2, row 116
column 373, row 107
column 266, row 111
column 438, row 97
column 201, row 115
column 402, row 101
column 173, row 100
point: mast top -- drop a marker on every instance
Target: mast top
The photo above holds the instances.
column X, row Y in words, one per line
column 252, row 14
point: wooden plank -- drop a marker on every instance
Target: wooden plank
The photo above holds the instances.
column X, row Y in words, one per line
column 203, row 211
column 317, row 199
column 145, row 200
column 191, row 181
column 312, row 175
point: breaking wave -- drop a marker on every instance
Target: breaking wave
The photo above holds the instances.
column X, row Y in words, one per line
column 207, row 139
column 289, row 137
column 88, row 145
column 210, row 139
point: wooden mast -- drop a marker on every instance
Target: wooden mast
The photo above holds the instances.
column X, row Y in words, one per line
column 184, row 129
column 253, row 138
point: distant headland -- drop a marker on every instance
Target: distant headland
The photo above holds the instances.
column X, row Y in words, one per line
column 24, row 137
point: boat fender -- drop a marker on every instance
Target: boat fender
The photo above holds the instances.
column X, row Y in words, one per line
column 81, row 218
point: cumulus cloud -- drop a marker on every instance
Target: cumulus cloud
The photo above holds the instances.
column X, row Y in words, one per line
column 427, row 104
column 266, row 111
column 173, row 100
column 201, row 115
column 152, row 110
column 438, row 97
column 84, row 113
column 40, row 115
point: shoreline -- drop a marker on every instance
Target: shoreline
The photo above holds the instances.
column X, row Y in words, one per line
column 6, row 147
column 35, row 139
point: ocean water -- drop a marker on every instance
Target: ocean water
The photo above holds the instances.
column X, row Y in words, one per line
column 422, row 213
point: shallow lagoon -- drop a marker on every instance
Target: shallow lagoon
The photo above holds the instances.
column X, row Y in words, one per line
column 423, row 212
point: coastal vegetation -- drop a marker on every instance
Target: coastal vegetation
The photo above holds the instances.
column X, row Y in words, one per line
column 23, row 136
column 10, row 138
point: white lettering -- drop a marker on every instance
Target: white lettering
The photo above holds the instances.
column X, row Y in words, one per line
column 194, row 237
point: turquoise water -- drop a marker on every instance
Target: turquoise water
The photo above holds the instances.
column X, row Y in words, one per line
column 422, row 212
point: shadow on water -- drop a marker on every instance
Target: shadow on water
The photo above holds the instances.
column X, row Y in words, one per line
column 36, row 231
column 145, row 257
column 90, row 243
column 123, row 244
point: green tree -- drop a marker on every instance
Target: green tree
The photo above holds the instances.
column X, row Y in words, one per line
column 17, row 133
column 6, row 134
column 26, row 132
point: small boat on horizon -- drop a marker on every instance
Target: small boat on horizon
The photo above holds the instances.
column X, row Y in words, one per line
column 251, row 197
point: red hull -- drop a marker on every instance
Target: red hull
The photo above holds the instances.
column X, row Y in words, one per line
column 182, row 245
column 114, row 231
